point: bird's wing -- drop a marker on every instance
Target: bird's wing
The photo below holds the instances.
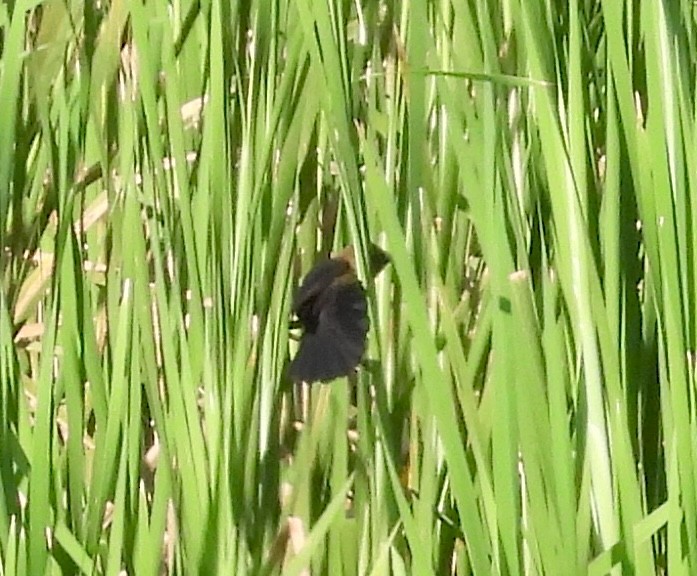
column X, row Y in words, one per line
column 338, row 344
column 316, row 282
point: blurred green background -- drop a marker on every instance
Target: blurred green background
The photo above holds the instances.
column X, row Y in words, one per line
column 168, row 172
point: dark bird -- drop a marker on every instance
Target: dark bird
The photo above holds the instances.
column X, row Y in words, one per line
column 331, row 307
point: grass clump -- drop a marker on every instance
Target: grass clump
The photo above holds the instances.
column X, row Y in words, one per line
column 169, row 170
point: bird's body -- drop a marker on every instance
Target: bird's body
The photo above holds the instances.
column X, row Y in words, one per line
column 332, row 308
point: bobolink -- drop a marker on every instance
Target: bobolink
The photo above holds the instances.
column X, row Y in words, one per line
column 331, row 307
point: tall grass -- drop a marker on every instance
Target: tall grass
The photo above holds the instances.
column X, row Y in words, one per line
column 168, row 171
